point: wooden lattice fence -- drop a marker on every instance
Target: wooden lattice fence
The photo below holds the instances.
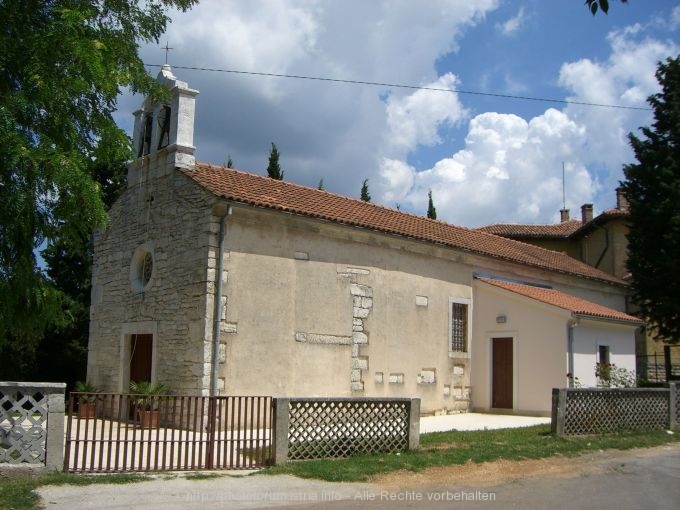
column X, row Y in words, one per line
column 581, row 411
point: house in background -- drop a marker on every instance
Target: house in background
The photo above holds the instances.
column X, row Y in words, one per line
column 217, row 281
column 601, row 242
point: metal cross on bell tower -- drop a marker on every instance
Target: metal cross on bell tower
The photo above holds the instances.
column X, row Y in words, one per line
column 167, row 49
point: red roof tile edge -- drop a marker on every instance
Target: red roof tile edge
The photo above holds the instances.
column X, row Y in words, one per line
column 578, row 306
column 260, row 191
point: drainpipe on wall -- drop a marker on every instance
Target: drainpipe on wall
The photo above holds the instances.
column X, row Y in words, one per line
column 606, row 246
column 217, row 312
column 571, row 324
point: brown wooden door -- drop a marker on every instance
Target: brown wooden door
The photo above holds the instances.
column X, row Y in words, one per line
column 501, row 386
column 141, row 349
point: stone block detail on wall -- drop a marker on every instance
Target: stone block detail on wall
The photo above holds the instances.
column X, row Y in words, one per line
column 362, row 304
column 426, row 376
column 316, row 338
column 396, row 379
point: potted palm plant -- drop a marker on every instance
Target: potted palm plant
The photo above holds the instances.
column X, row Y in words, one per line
column 145, row 397
column 87, row 400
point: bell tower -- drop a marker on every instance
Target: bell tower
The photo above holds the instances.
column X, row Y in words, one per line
column 167, row 128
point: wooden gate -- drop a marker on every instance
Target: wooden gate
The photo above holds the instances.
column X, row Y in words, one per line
column 167, row 433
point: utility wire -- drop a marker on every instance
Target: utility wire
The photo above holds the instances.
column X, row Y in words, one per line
column 410, row 87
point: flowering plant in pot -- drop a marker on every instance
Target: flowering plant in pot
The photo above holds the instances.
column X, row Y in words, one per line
column 87, row 400
column 145, row 396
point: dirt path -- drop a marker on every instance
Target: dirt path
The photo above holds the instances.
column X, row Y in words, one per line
column 504, row 471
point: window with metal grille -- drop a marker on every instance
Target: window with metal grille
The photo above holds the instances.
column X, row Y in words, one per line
column 459, row 327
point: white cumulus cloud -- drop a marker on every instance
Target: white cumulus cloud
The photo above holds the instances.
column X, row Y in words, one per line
column 510, row 168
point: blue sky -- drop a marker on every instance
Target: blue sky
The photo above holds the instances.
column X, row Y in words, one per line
column 486, row 159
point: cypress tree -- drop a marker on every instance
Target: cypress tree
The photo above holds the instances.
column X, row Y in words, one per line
column 365, row 195
column 274, row 169
column 431, row 210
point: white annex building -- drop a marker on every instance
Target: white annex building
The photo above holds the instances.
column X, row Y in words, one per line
column 217, row 281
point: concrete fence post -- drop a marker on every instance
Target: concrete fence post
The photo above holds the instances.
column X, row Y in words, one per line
column 54, row 443
column 559, row 407
column 672, row 405
column 281, row 421
column 414, row 425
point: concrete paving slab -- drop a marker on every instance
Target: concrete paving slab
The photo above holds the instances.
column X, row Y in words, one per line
column 477, row 421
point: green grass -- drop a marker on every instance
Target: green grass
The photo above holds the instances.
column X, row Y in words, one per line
column 18, row 492
column 451, row 448
column 203, row 475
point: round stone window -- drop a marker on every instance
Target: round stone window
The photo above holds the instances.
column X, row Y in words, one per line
column 142, row 268
column 147, row 268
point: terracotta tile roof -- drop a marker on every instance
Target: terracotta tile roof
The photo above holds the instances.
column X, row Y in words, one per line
column 256, row 190
column 563, row 230
column 576, row 305
column 557, row 230
column 603, row 217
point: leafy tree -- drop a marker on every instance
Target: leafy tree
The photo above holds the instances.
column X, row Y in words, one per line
column 62, row 66
column 230, row 163
column 431, row 210
column 652, row 187
column 61, row 353
column 274, row 169
column 603, row 5
column 365, row 195
column 321, row 186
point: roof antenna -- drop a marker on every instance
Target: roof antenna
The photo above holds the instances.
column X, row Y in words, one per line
column 564, row 193
column 564, row 212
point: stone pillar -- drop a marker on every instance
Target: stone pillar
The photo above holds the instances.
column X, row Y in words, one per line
column 414, row 426
column 559, row 406
column 54, row 443
column 281, row 425
column 672, row 405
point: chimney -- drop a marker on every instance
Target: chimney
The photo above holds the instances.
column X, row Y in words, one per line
column 564, row 215
column 621, row 200
column 586, row 213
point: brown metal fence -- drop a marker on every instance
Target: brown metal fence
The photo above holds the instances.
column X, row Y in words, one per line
column 110, row 432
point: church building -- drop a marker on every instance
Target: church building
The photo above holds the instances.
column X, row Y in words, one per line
column 217, row 281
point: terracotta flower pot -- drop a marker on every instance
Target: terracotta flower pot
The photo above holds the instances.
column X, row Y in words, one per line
column 87, row 410
column 148, row 419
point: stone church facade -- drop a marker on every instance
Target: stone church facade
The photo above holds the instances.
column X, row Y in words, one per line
column 216, row 281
